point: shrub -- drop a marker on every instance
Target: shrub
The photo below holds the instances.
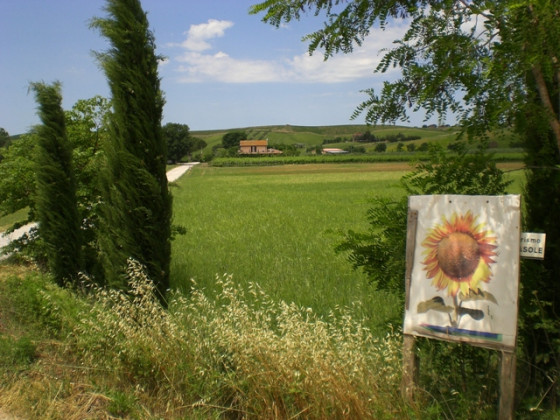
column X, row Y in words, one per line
column 381, row 147
column 380, row 252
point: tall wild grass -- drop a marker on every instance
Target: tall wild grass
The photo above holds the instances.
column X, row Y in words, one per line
column 241, row 354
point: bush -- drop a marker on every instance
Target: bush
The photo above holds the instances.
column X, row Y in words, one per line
column 381, row 147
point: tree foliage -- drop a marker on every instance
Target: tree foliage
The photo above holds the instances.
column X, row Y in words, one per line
column 178, row 139
column 4, row 137
column 87, row 127
column 17, row 176
column 380, row 147
column 474, row 59
column 57, row 212
column 540, row 294
column 233, row 138
column 136, row 210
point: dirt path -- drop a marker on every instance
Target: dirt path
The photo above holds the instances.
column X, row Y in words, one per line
column 176, row 173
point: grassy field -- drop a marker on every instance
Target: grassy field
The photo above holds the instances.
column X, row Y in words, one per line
column 8, row 220
column 229, row 349
column 277, row 226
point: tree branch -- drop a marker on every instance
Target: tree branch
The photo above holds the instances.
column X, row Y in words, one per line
column 546, row 102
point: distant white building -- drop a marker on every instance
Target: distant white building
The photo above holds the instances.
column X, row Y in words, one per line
column 334, row 151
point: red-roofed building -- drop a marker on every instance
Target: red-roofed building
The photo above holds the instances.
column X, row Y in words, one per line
column 256, row 147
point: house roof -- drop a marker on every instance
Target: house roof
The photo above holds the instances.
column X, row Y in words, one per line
column 253, row 143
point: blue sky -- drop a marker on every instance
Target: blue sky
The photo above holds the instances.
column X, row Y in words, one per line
column 224, row 67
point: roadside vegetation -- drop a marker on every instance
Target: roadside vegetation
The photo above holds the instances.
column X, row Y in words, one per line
column 285, row 298
column 237, row 355
column 268, row 321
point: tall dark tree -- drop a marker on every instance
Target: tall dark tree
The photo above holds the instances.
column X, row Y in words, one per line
column 178, row 139
column 233, row 138
column 57, row 211
column 540, row 292
column 136, row 213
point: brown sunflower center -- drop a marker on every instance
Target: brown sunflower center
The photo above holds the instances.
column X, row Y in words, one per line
column 458, row 255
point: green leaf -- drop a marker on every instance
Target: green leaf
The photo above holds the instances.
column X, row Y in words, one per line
column 434, row 304
column 477, row 294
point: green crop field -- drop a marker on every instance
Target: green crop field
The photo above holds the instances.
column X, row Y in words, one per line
column 277, row 226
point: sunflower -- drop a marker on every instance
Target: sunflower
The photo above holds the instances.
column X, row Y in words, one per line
column 458, row 254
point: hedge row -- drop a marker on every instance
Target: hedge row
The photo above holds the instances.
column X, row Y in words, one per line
column 347, row 158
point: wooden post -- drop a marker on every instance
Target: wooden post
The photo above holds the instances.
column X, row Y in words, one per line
column 410, row 360
column 507, row 385
column 410, row 368
column 412, row 222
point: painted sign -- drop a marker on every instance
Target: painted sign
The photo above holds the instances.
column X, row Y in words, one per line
column 532, row 245
column 465, row 270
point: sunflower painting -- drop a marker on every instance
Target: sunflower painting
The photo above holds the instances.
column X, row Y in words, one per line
column 465, row 273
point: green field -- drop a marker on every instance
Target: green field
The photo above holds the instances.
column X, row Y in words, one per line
column 227, row 350
column 277, row 226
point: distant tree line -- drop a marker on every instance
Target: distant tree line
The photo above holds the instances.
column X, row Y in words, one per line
column 368, row 137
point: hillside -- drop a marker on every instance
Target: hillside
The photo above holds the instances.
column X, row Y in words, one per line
column 310, row 136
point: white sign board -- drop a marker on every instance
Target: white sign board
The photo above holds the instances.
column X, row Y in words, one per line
column 465, row 272
column 532, row 245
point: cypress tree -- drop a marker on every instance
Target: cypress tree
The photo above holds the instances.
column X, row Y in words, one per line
column 57, row 211
column 136, row 211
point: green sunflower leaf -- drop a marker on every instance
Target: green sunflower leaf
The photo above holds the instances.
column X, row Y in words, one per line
column 435, row 304
column 478, row 294
column 475, row 314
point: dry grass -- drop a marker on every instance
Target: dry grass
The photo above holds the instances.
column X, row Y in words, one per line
column 282, row 361
column 241, row 355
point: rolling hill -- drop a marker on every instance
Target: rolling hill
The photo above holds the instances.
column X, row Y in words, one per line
column 310, row 136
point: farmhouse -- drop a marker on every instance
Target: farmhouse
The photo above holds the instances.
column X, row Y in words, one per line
column 256, row 147
column 333, row 151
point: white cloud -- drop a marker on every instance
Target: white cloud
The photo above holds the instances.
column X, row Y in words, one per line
column 223, row 68
column 198, row 35
column 199, row 67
